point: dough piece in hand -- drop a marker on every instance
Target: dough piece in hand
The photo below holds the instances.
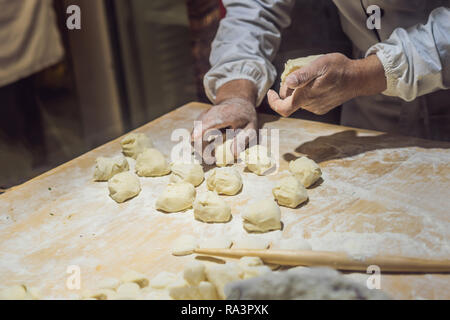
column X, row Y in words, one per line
column 188, row 172
column 163, row 279
column 17, row 292
column 227, row 181
column 132, row 276
column 295, row 64
column 203, row 291
column 305, row 170
column 262, row 216
column 194, row 273
column 223, row 154
column 257, row 159
column 184, row 245
column 290, row 192
column 128, row 291
column 209, row 207
column 217, row 242
column 124, row 186
column 134, row 144
column 221, row 275
column 151, row 163
column 292, row 244
column 176, row 197
column 106, row 168
column 251, row 243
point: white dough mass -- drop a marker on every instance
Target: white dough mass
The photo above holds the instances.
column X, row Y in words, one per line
column 124, row 186
column 223, row 154
column 176, row 197
column 262, row 216
column 106, row 168
column 135, row 143
column 209, row 207
column 290, row 192
column 151, row 163
column 305, row 170
column 188, row 172
column 257, row 159
column 227, row 181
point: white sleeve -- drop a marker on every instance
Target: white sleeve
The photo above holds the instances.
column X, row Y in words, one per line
column 417, row 60
column 246, row 42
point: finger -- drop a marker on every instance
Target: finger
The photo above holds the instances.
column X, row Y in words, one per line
column 243, row 138
column 282, row 107
column 285, row 91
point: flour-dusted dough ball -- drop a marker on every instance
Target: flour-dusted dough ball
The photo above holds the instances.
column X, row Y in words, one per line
column 128, row 291
column 106, row 168
column 290, row 192
column 223, row 154
column 194, row 273
column 124, row 186
column 257, row 159
column 227, row 181
column 209, row 207
column 305, row 170
column 292, row 244
column 184, row 245
column 188, row 172
column 176, row 197
column 132, row 276
column 217, row 242
column 151, row 163
column 262, row 216
column 162, row 280
column 135, row 143
column 249, row 242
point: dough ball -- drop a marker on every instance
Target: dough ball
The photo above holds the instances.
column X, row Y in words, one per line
column 227, row 181
column 292, row 244
column 176, row 197
column 163, row 279
column 209, row 207
column 124, row 186
column 184, row 245
column 257, row 159
column 128, row 291
column 151, row 163
column 305, row 170
column 262, row 216
column 106, row 168
column 290, row 192
column 194, row 273
column 221, row 275
column 132, row 276
column 188, row 172
column 203, row 291
column 223, row 154
column 248, row 242
column 217, row 242
column 134, row 144
column 295, row 64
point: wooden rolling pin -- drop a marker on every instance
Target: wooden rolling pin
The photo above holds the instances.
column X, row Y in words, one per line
column 336, row 260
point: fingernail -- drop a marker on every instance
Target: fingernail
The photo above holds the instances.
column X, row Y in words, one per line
column 292, row 80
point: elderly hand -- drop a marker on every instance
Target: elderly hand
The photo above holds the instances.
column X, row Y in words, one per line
column 327, row 82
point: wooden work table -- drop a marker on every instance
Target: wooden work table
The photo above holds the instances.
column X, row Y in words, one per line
column 380, row 194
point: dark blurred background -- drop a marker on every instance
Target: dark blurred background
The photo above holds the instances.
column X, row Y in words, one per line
column 132, row 61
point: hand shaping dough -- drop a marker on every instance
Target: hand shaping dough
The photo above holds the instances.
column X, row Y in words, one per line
column 227, row 181
column 184, row 245
column 290, row 193
column 295, row 64
column 262, row 216
column 188, row 172
column 177, row 197
column 124, row 186
column 305, row 170
column 257, row 159
column 134, row 144
column 292, row 244
column 209, row 207
column 223, row 154
column 151, row 163
column 106, row 168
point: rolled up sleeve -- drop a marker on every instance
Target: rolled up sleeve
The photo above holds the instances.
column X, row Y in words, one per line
column 417, row 60
column 246, row 43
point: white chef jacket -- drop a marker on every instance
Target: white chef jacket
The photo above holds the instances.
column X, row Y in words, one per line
column 413, row 45
column 29, row 39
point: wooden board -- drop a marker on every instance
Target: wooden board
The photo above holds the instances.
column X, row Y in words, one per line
column 380, row 194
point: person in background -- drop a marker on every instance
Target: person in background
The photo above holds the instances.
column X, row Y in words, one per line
column 397, row 80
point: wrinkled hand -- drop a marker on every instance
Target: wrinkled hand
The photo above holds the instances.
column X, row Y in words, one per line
column 326, row 83
column 233, row 113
